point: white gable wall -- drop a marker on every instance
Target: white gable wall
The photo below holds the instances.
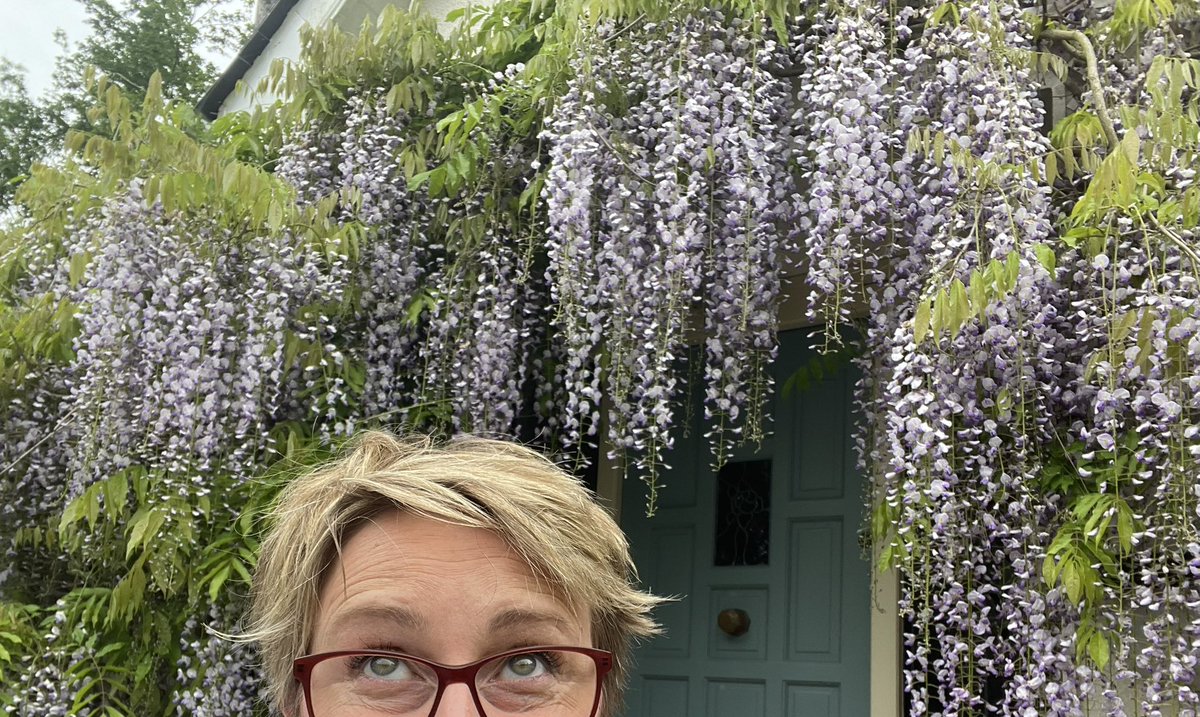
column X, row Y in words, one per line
column 285, row 43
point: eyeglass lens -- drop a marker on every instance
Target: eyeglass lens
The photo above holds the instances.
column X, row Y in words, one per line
column 547, row 683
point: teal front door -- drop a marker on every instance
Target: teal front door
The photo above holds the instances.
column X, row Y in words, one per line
column 773, row 611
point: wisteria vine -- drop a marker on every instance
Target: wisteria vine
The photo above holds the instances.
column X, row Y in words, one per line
column 1018, row 435
column 526, row 227
column 660, row 206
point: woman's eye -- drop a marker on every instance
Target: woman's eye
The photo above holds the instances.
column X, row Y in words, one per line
column 523, row 667
column 386, row 668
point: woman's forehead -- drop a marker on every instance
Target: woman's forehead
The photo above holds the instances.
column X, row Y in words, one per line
column 417, row 551
column 418, row 574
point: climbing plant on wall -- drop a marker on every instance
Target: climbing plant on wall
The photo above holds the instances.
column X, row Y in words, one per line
column 1029, row 356
column 521, row 227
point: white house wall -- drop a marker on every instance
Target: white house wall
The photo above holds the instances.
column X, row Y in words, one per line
column 285, row 43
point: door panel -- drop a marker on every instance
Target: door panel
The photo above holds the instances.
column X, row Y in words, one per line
column 806, row 700
column 727, row 697
column 815, row 580
column 674, row 577
column 663, row 695
column 776, row 536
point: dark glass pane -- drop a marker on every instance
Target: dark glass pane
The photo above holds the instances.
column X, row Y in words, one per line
column 1046, row 95
column 743, row 513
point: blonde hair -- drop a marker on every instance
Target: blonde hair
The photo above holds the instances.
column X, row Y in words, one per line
column 545, row 515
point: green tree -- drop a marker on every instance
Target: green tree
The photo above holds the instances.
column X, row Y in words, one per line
column 23, row 130
column 128, row 43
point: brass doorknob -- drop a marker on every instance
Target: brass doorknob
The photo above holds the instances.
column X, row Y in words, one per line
column 733, row 622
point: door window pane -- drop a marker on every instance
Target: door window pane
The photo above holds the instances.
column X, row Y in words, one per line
column 743, row 530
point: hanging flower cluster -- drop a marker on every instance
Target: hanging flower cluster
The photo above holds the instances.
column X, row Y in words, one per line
column 1135, row 300
column 450, row 322
column 1016, row 433
column 970, row 414
column 178, row 376
column 354, row 158
column 48, row 689
column 671, row 203
column 480, row 337
column 218, row 678
column 180, row 363
column 847, row 96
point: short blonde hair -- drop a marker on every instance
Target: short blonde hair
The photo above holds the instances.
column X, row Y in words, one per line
column 544, row 514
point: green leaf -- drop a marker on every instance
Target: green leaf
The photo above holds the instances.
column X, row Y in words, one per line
column 1125, row 527
column 979, row 294
column 72, row 514
column 79, row 264
column 1004, row 401
column 275, row 215
column 116, row 491
column 960, row 307
column 242, row 571
column 1046, row 257
column 947, row 12
column 940, row 316
column 91, row 505
column 1098, row 650
column 417, row 180
column 144, row 526
column 1050, row 571
column 1085, row 505
column 416, row 307
column 229, row 178
column 129, row 594
column 218, row 581
column 532, row 192
column 921, row 321
column 437, row 179
column 1051, row 168
column 1012, row 266
column 1072, row 581
column 107, row 650
column 1122, row 325
column 1062, row 541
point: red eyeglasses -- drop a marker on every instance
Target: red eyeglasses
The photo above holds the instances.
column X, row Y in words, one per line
column 549, row 681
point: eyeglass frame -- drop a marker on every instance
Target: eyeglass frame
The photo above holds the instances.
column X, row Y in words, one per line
column 302, row 669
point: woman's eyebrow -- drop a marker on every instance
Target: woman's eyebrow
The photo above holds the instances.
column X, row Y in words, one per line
column 395, row 614
column 518, row 618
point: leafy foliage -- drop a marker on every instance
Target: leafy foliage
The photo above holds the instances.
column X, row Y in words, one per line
column 129, row 43
column 22, row 129
column 1030, row 368
column 520, row 226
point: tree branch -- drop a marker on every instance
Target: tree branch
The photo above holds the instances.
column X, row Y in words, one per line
column 787, row 72
column 1084, row 46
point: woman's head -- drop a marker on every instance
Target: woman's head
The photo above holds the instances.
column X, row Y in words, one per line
column 449, row 552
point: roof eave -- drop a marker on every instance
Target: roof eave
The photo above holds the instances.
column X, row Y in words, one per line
column 210, row 104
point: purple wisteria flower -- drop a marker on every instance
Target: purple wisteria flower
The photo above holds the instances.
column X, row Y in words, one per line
column 216, row 677
column 671, row 204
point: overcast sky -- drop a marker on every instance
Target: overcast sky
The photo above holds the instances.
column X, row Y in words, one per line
column 27, row 35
